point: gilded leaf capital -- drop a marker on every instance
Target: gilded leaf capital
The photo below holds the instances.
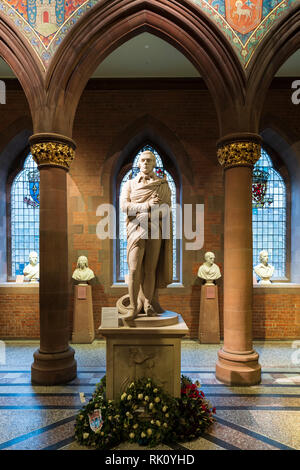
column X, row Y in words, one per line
column 241, row 153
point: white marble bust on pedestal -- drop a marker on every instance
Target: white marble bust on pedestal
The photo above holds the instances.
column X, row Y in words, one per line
column 264, row 270
column 32, row 270
column 209, row 270
column 83, row 273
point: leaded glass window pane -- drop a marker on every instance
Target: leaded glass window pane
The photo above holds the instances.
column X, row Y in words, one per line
column 25, row 215
column 122, row 239
column 269, row 215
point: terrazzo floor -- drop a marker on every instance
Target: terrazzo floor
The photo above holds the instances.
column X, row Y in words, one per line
column 265, row 416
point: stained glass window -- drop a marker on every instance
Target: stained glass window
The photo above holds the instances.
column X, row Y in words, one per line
column 122, row 268
column 25, row 215
column 269, row 215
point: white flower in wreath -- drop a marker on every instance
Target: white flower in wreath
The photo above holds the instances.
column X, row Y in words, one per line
column 85, row 435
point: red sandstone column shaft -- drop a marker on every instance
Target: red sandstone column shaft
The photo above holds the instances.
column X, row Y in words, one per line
column 53, row 260
column 237, row 361
column 238, row 277
column 54, row 361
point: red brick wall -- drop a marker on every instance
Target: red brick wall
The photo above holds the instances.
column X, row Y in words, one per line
column 183, row 119
column 19, row 312
column 276, row 313
column 102, row 120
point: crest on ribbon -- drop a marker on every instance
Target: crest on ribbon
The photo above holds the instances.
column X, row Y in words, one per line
column 243, row 15
column 33, row 178
column 259, row 188
column 96, row 420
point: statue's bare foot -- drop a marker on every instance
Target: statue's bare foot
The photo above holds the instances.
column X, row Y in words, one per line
column 149, row 310
column 132, row 314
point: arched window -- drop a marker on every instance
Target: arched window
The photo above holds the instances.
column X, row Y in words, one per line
column 25, row 215
column 121, row 268
column 269, row 215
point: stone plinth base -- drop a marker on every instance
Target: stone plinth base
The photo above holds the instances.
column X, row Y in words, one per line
column 209, row 324
column 83, row 319
column 238, row 368
column 53, row 369
column 132, row 353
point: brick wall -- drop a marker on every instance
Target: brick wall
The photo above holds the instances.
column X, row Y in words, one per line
column 184, row 125
column 19, row 312
column 276, row 312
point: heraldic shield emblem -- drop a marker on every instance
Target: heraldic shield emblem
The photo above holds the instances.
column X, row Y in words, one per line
column 34, row 185
column 96, row 421
column 243, row 15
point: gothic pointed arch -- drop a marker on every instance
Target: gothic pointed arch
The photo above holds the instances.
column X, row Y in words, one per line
column 22, row 59
column 109, row 24
column 279, row 44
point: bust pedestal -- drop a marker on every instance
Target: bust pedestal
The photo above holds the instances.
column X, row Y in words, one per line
column 83, row 319
column 144, row 351
column 209, row 323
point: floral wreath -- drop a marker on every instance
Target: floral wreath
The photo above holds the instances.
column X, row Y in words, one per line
column 144, row 414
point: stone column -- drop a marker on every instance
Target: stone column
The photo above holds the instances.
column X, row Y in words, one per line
column 54, row 361
column 237, row 361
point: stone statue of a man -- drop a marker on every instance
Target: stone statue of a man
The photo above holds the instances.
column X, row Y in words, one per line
column 149, row 257
column 83, row 272
column 32, row 270
column 264, row 270
column 209, row 270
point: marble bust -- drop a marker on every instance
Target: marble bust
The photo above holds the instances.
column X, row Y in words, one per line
column 264, row 270
column 32, row 270
column 82, row 272
column 209, row 270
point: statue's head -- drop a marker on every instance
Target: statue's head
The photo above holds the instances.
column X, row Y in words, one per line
column 209, row 257
column 264, row 257
column 33, row 258
column 82, row 262
column 147, row 161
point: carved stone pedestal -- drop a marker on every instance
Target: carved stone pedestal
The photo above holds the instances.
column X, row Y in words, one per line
column 83, row 320
column 209, row 322
column 154, row 352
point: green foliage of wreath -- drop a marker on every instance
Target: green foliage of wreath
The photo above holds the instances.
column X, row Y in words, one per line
column 145, row 414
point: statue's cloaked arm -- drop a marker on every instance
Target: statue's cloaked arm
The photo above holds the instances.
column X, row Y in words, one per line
column 131, row 208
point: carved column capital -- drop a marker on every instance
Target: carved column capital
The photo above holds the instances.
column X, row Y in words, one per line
column 52, row 150
column 239, row 150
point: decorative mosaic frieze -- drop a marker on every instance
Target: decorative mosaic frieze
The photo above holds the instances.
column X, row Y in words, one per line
column 244, row 23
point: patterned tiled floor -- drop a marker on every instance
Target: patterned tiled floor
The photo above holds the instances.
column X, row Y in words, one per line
column 266, row 416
